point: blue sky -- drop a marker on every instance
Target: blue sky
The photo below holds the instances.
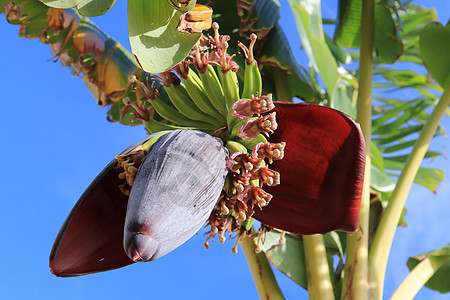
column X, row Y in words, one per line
column 55, row 140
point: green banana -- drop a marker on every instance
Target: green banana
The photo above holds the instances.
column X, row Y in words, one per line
column 214, row 90
column 174, row 116
column 154, row 126
column 234, row 130
column 252, row 76
column 234, row 146
column 231, row 120
column 230, row 86
column 194, row 88
column 252, row 80
column 183, row 102
column 251, row 144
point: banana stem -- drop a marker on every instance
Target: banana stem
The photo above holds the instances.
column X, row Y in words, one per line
column 262, row 273
column 319, row 282
column 382, row 242
column 418, row 277
column 355, row 285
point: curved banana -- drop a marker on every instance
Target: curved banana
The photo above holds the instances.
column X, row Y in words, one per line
column 234, row 146
column 251, row 144
column 155, row 126
column 195, row 89
column 230, row 86
column 252, row 76
column 174, row 116
column 214, row 90
column 252, row 80
column 183, row 102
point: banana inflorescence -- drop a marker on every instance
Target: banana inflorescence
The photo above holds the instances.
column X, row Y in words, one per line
column 206, row 96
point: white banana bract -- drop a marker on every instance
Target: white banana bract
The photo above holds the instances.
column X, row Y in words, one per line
column 174, row 192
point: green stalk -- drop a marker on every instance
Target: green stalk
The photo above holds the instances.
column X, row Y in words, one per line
column 319, row 282
column 382, row 242
column 262, row 273
column 355, row 285
column 418, row 277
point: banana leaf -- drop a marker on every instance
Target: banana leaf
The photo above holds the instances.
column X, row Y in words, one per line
column 89, row 8
column 439, row 281
column 387, row 42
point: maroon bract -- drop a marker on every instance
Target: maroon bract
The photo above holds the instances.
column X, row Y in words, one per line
column 322, row 171
column 91, row 238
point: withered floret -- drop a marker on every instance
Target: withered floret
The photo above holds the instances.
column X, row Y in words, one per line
column 245, row 109
column 252, row 128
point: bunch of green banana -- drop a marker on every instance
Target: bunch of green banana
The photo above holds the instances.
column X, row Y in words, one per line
column 203, row 98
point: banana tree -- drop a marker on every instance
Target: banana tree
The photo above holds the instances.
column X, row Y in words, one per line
column 232, row 98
